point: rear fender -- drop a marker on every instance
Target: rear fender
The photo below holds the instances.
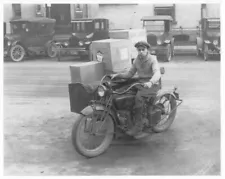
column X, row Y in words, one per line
column 162, row 93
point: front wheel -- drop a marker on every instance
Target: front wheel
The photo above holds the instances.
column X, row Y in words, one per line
column 17, row 53
column 169, row 104
column 90, row 136
column 52, row 50
column 205, row 53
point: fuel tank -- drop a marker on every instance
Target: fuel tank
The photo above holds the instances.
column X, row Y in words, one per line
column 124, row 102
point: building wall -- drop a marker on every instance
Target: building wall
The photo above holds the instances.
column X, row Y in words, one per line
column 8, row 12
column 28, row 10
column 213, row 10
column 129, row 16
column 125, row 16
column 188, row 15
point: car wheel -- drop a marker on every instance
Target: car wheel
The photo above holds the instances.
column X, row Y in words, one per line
column 205, row 54
column 17, row 53
column 169, row 53
column 52, row 50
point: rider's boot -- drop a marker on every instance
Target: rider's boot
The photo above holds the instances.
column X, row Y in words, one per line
column 136, row 130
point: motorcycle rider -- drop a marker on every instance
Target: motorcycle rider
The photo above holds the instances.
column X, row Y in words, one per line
column 146, row 66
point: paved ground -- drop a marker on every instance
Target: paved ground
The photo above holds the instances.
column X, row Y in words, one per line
column 38, row 122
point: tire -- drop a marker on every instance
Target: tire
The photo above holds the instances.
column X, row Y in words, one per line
column 168, row 54
column 96, row 151
column 205, row 53
column 197, row 52
column 52, row 50
column 161, row 128
column 17, row 53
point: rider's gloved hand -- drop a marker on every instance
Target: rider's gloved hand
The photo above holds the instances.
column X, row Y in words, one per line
column 114, row 76
column 147, row 85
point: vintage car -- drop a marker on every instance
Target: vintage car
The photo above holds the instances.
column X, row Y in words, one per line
column 30, row 36
column 159, row 35
column 208, row 43
column 84, row 31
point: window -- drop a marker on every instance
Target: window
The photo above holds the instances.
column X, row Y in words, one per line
column 97, row 25
column 168, row 10
column 17, row 10
column 103, row 26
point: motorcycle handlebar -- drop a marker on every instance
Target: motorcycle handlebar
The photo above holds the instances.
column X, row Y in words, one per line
column 114, row 92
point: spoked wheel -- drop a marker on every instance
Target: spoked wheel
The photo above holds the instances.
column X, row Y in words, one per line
column 168, row 54
column 91, row 136
column 17, row 53
column 168, row 104
column 205, row 53
column 52, row 50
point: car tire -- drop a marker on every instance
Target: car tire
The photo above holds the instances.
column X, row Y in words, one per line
column 52, row 50
column 168, row 54
column 17, row 53
column 205, row 53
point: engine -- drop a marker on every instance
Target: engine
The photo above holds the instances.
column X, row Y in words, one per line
column 124, row 102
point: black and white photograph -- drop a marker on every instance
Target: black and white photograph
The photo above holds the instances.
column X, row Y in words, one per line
column 112, row 88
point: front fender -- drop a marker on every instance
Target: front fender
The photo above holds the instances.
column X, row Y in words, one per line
column 14, row 43
column 89, row 109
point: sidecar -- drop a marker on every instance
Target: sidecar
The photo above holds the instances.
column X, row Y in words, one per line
column 81, row 94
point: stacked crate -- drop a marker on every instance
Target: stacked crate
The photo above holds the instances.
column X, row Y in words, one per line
column 133, row 35
column 113, row 53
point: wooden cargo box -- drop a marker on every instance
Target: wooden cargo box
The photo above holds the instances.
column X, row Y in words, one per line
column 114, row 53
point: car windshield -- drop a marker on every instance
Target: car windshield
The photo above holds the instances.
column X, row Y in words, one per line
column 213, row 24
column 154, row 26
column 18, row 27
column 82, row 26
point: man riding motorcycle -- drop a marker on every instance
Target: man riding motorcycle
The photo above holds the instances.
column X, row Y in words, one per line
column 147, row 67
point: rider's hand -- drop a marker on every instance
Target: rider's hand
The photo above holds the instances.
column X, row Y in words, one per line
column 114, row 76
column 147, row 85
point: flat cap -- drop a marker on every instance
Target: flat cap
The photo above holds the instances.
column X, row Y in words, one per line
column 142, row 44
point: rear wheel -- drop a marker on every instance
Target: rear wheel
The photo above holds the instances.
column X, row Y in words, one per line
column 168, row 54
column 205, row 53
column 90, row 136
column 168, row 103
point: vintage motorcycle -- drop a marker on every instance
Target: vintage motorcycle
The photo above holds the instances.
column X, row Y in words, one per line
column 102, row 119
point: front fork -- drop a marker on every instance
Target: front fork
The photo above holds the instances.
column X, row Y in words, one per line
column 91, row 122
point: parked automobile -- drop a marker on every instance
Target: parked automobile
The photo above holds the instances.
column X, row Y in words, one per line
column 159, row 35
column 84, row 31
column 30, row 36
column 208, row 43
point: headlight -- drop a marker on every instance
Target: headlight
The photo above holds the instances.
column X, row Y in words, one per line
column 9, row 43
column 167, row 41
column 215, row 42
column 101, row 91
column 90, row 36
column 81, row 43
column 87, row 43
column 66, row 43
column 73, row 34
column 159, row 42
column 207, row 41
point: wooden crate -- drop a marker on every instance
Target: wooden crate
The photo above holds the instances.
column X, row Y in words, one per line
column 114, row 53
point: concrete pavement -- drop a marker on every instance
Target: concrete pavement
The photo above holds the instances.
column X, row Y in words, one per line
column 38, row 123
